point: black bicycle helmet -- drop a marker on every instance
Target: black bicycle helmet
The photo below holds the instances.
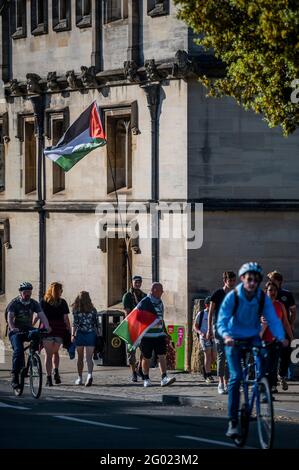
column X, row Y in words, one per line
column 25, row 286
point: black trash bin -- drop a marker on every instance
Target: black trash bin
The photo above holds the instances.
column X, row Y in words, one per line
column 114, row 353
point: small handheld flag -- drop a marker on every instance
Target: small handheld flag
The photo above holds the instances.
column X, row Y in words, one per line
column 83, row 136
column 137, row 323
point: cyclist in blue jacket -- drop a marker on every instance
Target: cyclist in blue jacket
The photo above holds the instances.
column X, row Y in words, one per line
column 239, row 319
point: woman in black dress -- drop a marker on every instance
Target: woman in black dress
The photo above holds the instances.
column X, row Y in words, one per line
column 57, row 312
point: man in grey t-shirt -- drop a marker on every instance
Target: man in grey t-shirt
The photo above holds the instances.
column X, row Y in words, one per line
column 19, row 318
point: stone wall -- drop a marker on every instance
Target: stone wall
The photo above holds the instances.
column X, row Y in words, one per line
column 233, row 153
column 59, row 51
column 232, row 238
column 162, row 36
column 21, row 260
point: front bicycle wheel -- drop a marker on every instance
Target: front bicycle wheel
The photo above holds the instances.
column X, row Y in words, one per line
column 36, row 375
column 264, row 414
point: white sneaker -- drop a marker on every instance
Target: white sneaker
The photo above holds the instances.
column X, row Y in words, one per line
column 232, row 430
column 167, row 381
column 221, row 389
column 79, row 381
column 147, row 383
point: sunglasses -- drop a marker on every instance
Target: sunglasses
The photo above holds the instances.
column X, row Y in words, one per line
column 252, row 280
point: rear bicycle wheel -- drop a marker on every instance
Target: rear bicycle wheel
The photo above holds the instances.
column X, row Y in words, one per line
column 265, row 415
column 36, row 375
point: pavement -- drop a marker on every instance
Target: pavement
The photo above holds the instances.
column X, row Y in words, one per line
column 189, row 389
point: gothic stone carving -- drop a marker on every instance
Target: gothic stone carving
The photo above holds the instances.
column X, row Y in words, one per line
column 130, row 71
column 88, row 76
column 14, row 87
column 72, row 80
column 52, row 84
column 33, row 83
column 182, row 65
column 152, row 73
column 160, row 8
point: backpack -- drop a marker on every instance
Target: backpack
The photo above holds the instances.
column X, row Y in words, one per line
column 200, row 319
column 201, row 314
column 261, row 304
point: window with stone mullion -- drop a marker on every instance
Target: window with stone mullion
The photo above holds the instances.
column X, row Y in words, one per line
column 40, row 11
column 119, row 152
column 58, row 180
column 19, row 19
column 2, row 160
column 83, row 13
column 39, row 17
column 2, row 263
column 61, row 11
column 157, row 7
column 116, row 10
column 86, row 7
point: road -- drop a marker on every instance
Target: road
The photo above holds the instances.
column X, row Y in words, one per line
column 65, row 420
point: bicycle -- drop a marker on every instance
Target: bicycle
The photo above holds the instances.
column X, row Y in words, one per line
column 33, row 368
column 259, row 397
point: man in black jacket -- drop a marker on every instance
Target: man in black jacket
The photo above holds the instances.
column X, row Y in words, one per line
column 130, row 300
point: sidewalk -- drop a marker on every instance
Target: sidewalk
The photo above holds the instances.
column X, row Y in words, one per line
column 189, row 388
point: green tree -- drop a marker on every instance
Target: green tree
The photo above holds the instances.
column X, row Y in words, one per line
column 258, row 41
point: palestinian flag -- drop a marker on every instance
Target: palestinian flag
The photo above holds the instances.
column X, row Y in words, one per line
column 83, row 136
column 137, row 323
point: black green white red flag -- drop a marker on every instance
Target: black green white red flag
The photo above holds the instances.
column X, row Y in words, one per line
column 142, row 318
column 83, row 136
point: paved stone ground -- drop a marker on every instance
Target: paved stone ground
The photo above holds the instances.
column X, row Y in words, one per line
column 189, row 388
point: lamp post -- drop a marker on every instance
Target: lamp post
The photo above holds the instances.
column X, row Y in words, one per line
column 38, row 104
column 153, row 94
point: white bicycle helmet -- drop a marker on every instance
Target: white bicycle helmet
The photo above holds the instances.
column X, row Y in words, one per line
column 251, row 267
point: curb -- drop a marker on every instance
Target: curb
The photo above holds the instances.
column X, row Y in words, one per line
column 193, row 402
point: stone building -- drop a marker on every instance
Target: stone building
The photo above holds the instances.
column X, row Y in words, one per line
column 166, row 142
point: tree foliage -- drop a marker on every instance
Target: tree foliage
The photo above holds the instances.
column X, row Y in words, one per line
column 258, row 41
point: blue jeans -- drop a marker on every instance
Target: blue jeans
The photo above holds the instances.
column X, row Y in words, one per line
column 17, row 340
column 233, row 357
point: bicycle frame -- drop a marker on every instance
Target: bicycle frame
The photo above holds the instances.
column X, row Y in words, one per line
column 257, row 373
column 32, row 359
column 259, row 394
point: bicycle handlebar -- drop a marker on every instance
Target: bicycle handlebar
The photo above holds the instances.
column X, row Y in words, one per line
column 245, row 344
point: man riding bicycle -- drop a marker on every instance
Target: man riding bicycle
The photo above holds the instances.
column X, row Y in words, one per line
column 19, row 318
column 240, row 319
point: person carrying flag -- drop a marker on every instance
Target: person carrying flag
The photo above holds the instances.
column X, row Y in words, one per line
column 155, row 338
column 144, row 327
column 130, row 301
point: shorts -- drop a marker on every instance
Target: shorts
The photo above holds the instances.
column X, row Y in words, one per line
column 148, row 345
column 206, row 343
column 53, row 339
column 86, row 338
